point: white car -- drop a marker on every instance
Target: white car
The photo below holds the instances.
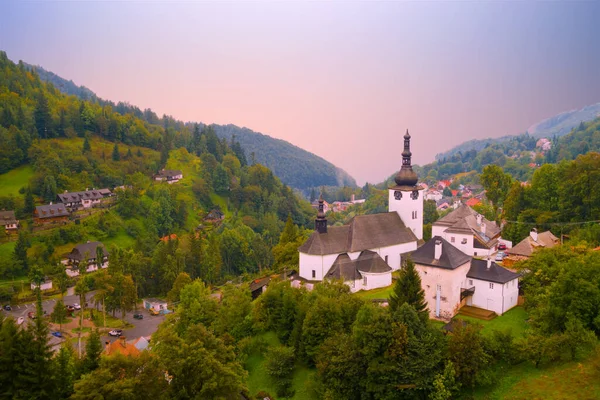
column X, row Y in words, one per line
column 116, row 332
column 20, row 320
column 76, row 306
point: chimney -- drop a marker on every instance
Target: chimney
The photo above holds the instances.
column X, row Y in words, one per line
column 123, row 341
column 489, row 262
column 438, row 249
column 534, row 234
column 479, row 219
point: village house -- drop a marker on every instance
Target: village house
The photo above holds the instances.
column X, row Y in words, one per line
column 86, row 252
column 85, row 199
column 155, row 304
column 434, row 195
column 51, row 213
column 316, row 204
column 364, row 253
column 452, row 279
column 169, row 176
column 525, row 248
column 45, row 285
column 469, row 231
column 9, row 221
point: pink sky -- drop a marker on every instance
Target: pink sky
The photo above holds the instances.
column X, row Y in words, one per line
column 342, row 80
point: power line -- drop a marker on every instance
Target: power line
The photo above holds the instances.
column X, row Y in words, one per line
column 552, row 223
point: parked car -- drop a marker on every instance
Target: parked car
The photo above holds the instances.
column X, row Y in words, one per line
column 31, row 314
column 500, row 256
column 502, row 246
column 70, row 308
column 20, row 320
column 116, row 332
column 153, row 311
column 8, row 308
column 138, row 316
column 57, row 334
column 76, row 306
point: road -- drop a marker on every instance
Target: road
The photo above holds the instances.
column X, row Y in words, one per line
column 143, row 327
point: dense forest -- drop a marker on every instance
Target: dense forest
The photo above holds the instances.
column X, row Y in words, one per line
column 294, row 166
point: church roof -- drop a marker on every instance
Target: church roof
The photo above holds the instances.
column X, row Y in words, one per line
column 347, row 269
column 494, row 273
column 451, row 257
column 364, row 232
column 464, row 220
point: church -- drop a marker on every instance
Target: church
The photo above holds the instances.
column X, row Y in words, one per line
column 365, row 252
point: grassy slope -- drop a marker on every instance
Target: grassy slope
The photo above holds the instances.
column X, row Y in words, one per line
column 259, row 380
column 514, row 319
column 381, row 293
column 12, row 181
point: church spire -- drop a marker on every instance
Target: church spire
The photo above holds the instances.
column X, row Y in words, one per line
column 406, row 176
column 321, row 221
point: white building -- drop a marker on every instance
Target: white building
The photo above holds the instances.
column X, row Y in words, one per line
column 87, row 252
column 45, row 285
column 366, row 251
column 8, row 220
column 451, row 279
column 168, row 175
column 469, row 231
column 435, row 195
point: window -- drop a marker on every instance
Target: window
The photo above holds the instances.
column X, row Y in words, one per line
column 314, row 273
column 439, row 288
column 452, row 239
column 386, row 259
column 365, row 281
column 491, row 285
column 464, row 241
column 475, row 254
column 414, row 215
column 470, row 282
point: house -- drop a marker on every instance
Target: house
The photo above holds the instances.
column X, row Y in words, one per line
column 525, row 248
column 544, row 144
column 258, row 286
column 45, row 285
column 473, row 201
column 156, row 304
column 169, row 175
column 435, row 195
column 122, row 346
column 451, row 279
column 8, row 220
column 365, row 252
column 85, row 199
column 51, row 213
column 86, row 252
column 316, row 204
column 214, row 216
column 469, row 231
column 442, row 204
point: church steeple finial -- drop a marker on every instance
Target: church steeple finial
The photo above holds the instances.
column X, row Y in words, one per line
column 321, row 221
column 406, row 176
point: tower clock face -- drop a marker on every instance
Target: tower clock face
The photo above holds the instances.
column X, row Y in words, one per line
column 397, row 195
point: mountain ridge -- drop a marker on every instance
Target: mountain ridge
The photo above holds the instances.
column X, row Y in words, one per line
column 295, row 166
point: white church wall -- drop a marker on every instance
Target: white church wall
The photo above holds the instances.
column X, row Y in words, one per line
column 450, row 281
column 463, row 242
column 375, row 281
column 495, row 297
column 438, row 230
column 317, row 263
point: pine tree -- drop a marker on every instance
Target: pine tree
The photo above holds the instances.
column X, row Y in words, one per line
column 313, row 195
column 20, row 250
column 86, row 145
column 139, row 152
column 116, row 156
column 59, row 315
column 408, row 290
column 29, row 201
column 129, row 155
column 49, row 189
column 93, row 349
column 64, row 371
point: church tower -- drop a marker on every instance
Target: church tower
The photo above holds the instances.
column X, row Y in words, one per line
column 406, row 198
column 321, row 221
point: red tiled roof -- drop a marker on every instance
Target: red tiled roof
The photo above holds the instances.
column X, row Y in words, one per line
column 473, row 202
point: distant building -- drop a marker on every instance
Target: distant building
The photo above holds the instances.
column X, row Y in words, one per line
column 326, row 206
column 85, row 199
column 473, row 201
column 45, row 285
column 123, row 347
column 85, row 252
column 544, row 144
column 156, row 304
column 434, row 195
column 51, row 213
column 526, row 247
column 169, row 176
column 452, row 279
column 9, row 221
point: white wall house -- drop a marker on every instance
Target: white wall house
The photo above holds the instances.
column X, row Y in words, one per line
column 46, row 285
column 85, row 252
column 451, row 278
column 365, row 252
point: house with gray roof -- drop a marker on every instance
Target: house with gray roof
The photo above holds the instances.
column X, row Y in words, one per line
column 452, row 279
column 525, row 248
column 51, row 213
column 89, row 253
column 364, row 253
column 9, row 221
column 169, row 175
column 469, row 231
column 84, row 199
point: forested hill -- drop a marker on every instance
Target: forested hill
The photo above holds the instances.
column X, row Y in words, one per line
column 556, row 126
column 294, row 166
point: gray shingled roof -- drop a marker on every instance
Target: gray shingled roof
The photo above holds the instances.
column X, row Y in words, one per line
column 88, row 249
column 451, row 257
column 169, row 173
column 7, row 218
column 495, row 273
column 370, row 262
column 364, row 232
column 343, row 268
column 51, row 210
column 464, row 218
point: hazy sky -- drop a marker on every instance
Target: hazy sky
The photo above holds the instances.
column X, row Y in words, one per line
column 341, row 79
